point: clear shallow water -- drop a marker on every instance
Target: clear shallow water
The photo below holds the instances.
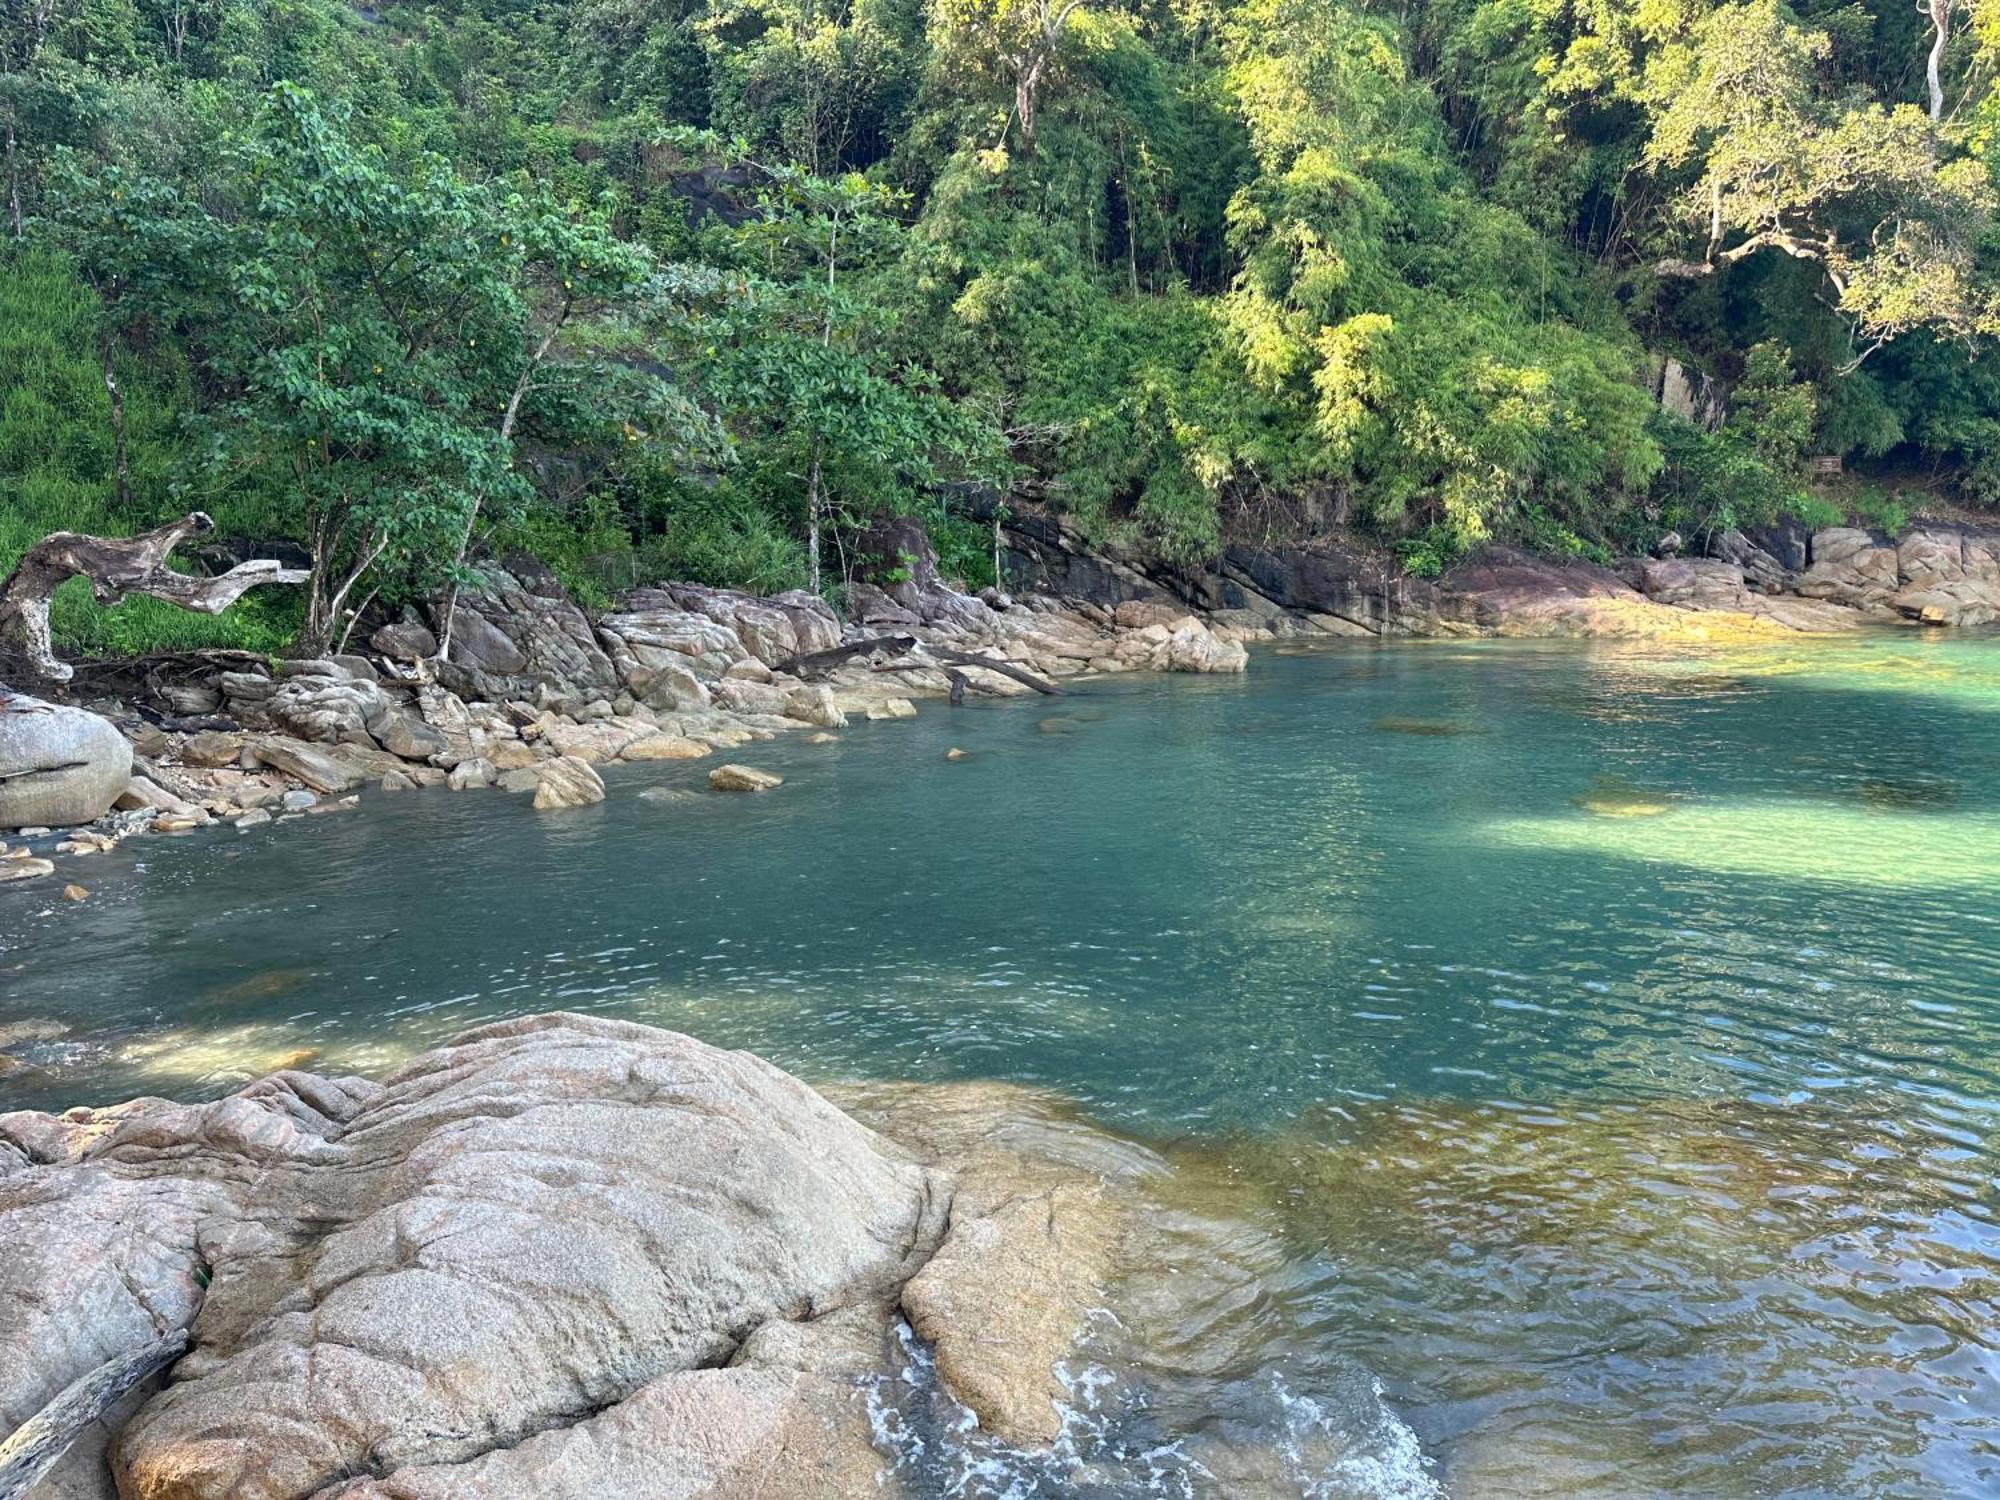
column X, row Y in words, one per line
column 1601, row 1044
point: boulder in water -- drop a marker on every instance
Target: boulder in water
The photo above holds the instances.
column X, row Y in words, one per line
column 567, row 781
column 733, row 778
column 548, row 1238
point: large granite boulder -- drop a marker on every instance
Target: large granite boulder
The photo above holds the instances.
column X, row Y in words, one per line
column 1851, row 567
column 1948, row 576
column 58, row 765
column 518, row 629
column 513, row 1236
column 566, row 1258
column 771, row 629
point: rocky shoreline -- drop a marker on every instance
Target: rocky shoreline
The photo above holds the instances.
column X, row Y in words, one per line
column 569, row 1256
column 1783, row 578
column 535, row 692
column 533, row 696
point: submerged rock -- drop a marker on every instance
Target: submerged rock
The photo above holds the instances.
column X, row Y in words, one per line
column 1615, row 797
column 1423, row 728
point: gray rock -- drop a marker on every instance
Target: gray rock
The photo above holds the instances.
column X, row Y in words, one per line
column 538, row 1223
column 468, row 774
column 669, row 687
column 191, row 701
column 519, row 628
column 256, row 817
column 403, row 734
column 328, row 709
column 247, row 687
column 478, row 643
column 567, row 781
column 143, row 794
column 58, row 765
column 312, row 666
column 406, row 640
column 297, row 801
column 307, row 763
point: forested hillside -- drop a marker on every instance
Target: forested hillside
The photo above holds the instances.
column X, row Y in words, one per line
column 695, row 289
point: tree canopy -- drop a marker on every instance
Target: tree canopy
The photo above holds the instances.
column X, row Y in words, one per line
column 704, row 287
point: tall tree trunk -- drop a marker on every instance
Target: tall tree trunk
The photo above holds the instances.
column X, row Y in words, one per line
column 1940, row 11
column 121, row 469
column 13, row 175
column 813, row 503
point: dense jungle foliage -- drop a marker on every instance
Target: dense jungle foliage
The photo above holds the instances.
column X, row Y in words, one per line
column 696, row 287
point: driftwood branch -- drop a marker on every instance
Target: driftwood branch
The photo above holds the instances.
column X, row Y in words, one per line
column 117, row 566
column 814, row 663
column 958, row 680
column 46, row 1436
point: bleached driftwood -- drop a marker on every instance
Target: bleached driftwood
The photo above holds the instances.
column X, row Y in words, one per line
column 117, row 566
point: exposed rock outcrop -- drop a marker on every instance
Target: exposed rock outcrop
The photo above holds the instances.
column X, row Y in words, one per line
column 559, row 1256
column 1778, row 578
column 517, row 630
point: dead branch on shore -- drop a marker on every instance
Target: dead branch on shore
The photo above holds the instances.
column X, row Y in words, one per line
column 117, row 566
column 814, row 663
column 959, row 681
column 45, row 1437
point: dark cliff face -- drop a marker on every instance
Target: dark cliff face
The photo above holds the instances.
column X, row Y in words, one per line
column 1328, row 585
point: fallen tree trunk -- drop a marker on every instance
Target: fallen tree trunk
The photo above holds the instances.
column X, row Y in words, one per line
column 116, row 567
column 44, row 1438
column 815, row 662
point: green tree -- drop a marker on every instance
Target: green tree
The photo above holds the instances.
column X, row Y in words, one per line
column 1870, row 194
column 378, row 332
column 805, row 372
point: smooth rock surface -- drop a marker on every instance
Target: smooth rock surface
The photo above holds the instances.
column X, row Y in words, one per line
column 58, row 765
column 513, row 1234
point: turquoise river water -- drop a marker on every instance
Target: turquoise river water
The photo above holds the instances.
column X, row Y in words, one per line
column 1608, row 1037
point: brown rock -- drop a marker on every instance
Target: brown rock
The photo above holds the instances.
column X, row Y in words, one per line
column 212, row 747
column 1005, row 1297
column 307, row 763
column 665, row 747
column 734, row 778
